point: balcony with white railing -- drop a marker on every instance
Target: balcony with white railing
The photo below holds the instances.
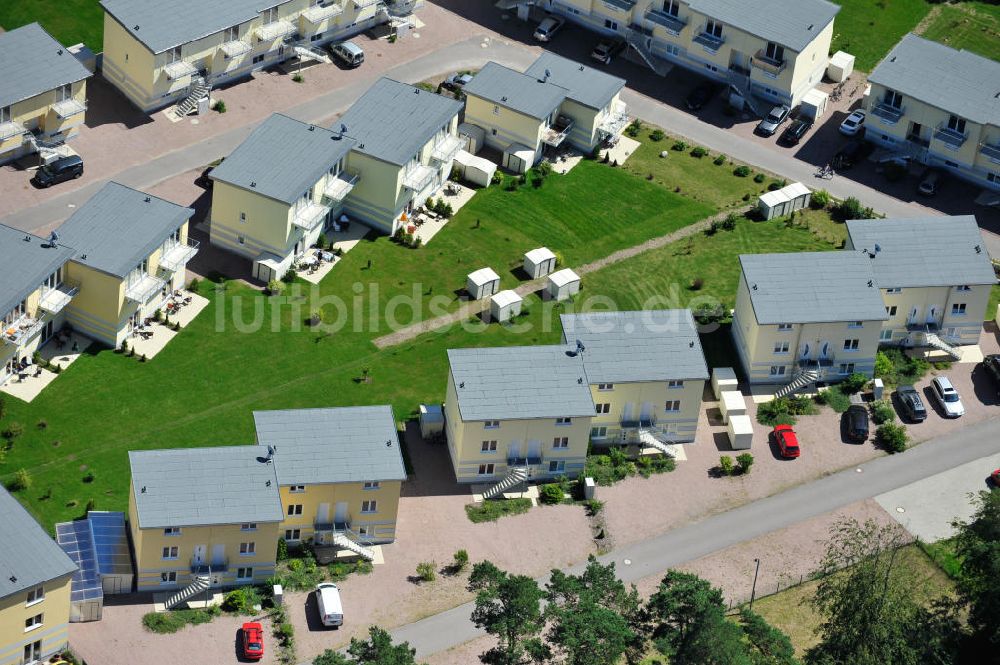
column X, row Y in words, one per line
column 709, row 41
column 69, row 108
column 319, row 13
column 614, row 121
column 418, row 177
column 178, row 69
column 176, row 255
column 446, row 149
column 673, row 24
column 991, row 151
column 10, row 128
column 888, row 113
column 556, row 133
column 275, row 30
column 338, row 188
column 767, row 64
column 55, row 300
column 952, row 138
column 141, row 289
column 361, row 4
column 21, row 331
column 235, row 48
column 311, row 215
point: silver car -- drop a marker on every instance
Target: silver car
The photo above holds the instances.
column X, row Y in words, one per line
column 947, row 397
column 769, row 125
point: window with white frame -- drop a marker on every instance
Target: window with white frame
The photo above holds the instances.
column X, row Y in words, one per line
column 598, row 432
column 856, row 324
column 895, row 289
column 231, row 34
column 963, row 287
column 713, row 28
column 891, row 310
column 32, row 623
column 885, row 335
column 294, row 509
column 170, row 552
column 557, row 466
column 247, row 549
column 297, row 489
column 672, row 405
column 486, row 469
column 248, row 526
column 172, row 531
column 675, row 384
column 958, row 309
column 488, row 446
column 243, row 217
column 564, row 421
column 560, row 442
column 671, row 7
column 35, row 595
column 781, row 347
column 777, row 370
column 846, row 368
column 784, row 327
column 369, row 506
column 603, row 407
column 244, row 573
column 851, row 344
column 33, row 651
column 491, row 424
column 293, row 534
column 169, row 577
column 605, row 386
column 371, row 485
column 269, row 15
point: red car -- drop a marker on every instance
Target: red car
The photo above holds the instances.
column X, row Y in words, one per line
column 788, row 443
column 995, row 477
column 253, row 641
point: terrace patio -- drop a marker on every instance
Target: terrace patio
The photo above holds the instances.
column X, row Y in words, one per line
column 60, row 351
column 157, row 334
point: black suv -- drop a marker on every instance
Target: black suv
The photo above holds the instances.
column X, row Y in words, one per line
column 795, row 132
column 61, row 170
column 991, row 364
column 911, row 404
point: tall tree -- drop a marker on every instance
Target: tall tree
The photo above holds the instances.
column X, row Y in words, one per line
column 766, row 645
column 978, row 545
column 509, row 608
column 593, row 616
column 866, row 603
column 378, row 649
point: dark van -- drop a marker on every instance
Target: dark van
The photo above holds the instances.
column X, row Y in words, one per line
column 61, row 170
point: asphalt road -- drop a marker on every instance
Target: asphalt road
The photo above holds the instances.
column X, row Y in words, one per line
column 654, row 556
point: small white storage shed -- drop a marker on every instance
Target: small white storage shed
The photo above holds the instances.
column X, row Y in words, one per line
column 798, row 195
column 431, row 420
column 563, row 284
column 740, row 431
column 482, row 283
column 475, row 136
column 841, row 67
column 723, row 379
column 814, row 104
column 476, row 170
column 539, row 262
column 773, row 204
column 732, row 404
column 518, row 158
column 504, row 306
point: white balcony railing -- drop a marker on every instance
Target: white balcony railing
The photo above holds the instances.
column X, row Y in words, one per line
column 179, row 69
column 991, row 150
column 418, row 177
column 767, row 64
column 555, row 134
column 887, row 112
column 21, row 331
column 319, row 13
column 140, row 290
column 235, row 48
column 55, row 300
column 275, row 30
column 673, row 24
column 11, row 128
column 176, row 256
column 446, row 149
column 361, row 4
column 952, row 138
column 615, row 121
column 338, row 188
column 69, row 108
column 711, row 42
column 310, row 216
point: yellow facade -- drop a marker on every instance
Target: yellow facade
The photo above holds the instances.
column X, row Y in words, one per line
column 44, row 324
column 21, row 644
column 550, row 449
column 504, row 126
column 677, row 40
column 366, row 513
column 621, row 407
column 168, row 561
column 956, row 311
column 153, row 80
column 56, row 115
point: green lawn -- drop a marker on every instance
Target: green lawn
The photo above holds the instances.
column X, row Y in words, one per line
column 69, row 21
column 791, row 612
column 970, row 25
column 869, row 28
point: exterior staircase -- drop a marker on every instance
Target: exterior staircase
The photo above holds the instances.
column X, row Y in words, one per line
column 654, row 438
column 739, row 83
column 936, row 342
column 44, row 149
column 515, row 476
column 800, row 381
column 310, row 53
column 637, row 39
column 200, row 584
column 345, row 543
column 199, row 89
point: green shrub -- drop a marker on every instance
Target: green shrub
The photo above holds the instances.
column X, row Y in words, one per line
column 741, row 171
column 219, row 106
column 892, row 437
column 657, row 135
column 883, row 365
column 243, row 600
column 498, row 176
column 593, row 506
column 854, row 383
column 634, row 128
column 282, row 550
column 726, row 465
column 297, row 78
column 835, row 398
column 820, row 199
column 193, row 285
column 720, row 160
column 289, row 276
column 551, row 494
column 852, row 208
column 301, row 574
column 647, row 465
column 882, row 412
column 426, row 571
column 759, row 178
column 21, row 481
column 679, row 146
column 460, row 560
column 745, row 460
column 699, row 152
column 13, row 430
column 493, row 509
column 3, row 407
column 275, row 287
column 171, row 622
column 89, row 477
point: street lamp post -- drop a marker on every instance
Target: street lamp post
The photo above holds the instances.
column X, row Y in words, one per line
column 753, row 590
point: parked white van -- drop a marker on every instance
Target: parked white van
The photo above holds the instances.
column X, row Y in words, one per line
column 331, row 611
column 348, row 53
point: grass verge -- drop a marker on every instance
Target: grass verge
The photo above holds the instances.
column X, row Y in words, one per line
column 493, row 509
column 173, row 620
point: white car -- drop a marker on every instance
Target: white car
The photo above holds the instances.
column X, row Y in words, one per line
column 853, row 123
column 947, row 397
column 547, row 28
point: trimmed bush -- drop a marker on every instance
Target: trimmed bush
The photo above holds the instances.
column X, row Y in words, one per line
column 759, row 178
column 720, row 160
column 745, row 460
column 551, row 494
column 852, row 208
column 656, row 135
column 242, row 600
column 892, row 437
column 854, row 383
column 13, row 430
column 882, row 412
column 282, row 549
column 219, row 106
column 461, row 560
column 21, row 481
column 726, row 465
column 699, row 152
column 741, row 171
column 883, row 365
column 426, row 571
column 679, row 146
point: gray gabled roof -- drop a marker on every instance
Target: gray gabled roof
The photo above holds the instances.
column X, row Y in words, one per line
column 923, row 251
column 586, row 85
column 651, row 345
column 392, row 121
column 812, row 287
column 28, row 556
column 282, row 158
column 32, row 62
column 519, row 92
column 340, row 445
column 204, row 487
column 959, row 82
column 793, row 24
column 119, row 227
column 25, row 262
column 519, row 382
column 164, row 24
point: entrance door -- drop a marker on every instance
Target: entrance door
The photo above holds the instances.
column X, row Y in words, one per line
column 340, row 513
column 323, row 513
column 218, row 554
column 628, row 412
column 198, row 558
column 805, row 351
column 646, row 413
column 535, row 450
column 514, row 450
column 824, row 351
column 47, row 332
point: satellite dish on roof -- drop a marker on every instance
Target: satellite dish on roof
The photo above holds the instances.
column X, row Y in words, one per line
column 580, row 348
column 548, row 73
column 53, row 238
column 878, row 248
